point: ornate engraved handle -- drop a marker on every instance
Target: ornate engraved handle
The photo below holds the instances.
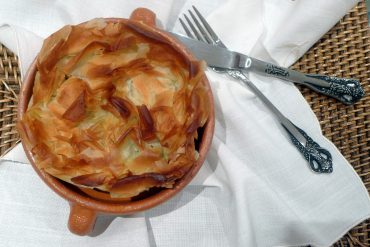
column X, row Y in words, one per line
column 348, row 91
column 319, row 158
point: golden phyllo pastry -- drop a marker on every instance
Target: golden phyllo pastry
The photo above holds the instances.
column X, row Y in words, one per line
column 114, row 109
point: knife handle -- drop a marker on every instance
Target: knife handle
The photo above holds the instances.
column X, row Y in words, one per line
column 348, row 91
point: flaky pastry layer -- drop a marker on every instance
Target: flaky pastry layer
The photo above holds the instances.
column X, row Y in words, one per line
column 114, row 109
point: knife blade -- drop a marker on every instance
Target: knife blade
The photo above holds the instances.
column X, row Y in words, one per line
column 213, row 55
column 346, row 90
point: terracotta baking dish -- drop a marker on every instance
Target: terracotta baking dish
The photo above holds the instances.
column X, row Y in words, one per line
column 85, row 208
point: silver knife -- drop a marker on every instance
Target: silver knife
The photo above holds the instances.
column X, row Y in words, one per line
column 347, row 91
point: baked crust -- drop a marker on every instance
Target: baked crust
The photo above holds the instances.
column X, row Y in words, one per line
column 114, row 109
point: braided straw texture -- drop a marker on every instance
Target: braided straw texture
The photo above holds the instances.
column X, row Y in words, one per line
column 10, row 81
column 344, row 52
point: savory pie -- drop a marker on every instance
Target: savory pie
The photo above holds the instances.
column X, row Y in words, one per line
column 114, row 109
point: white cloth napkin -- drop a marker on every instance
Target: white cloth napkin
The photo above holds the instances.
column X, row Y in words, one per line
column 255, row 189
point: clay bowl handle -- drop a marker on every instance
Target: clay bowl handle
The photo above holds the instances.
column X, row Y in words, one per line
column 81, row 219
column 144, row 15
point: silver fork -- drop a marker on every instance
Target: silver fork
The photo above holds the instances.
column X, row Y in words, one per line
column 319, row 159
column 346, row 90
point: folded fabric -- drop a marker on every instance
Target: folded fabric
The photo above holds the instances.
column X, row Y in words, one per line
column 255, row 189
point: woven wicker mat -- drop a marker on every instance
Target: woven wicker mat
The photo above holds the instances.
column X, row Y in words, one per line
column 344, row 51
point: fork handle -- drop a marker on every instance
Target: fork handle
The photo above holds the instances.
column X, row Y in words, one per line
column 319, row 159
column 347, row 91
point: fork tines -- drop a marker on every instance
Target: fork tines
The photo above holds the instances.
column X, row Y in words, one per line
column 203, row 31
